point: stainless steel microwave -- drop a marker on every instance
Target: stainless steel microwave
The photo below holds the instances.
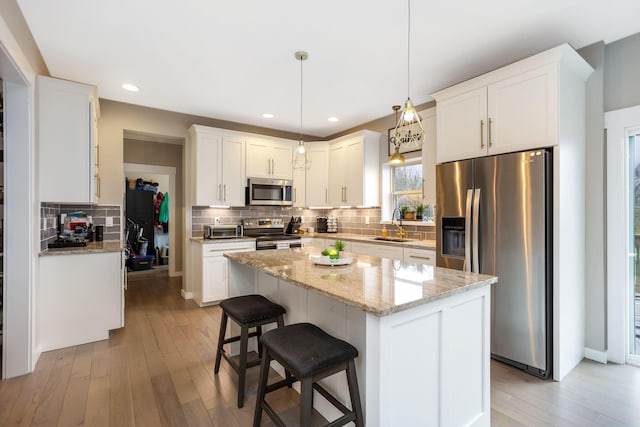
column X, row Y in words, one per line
column 269, row 192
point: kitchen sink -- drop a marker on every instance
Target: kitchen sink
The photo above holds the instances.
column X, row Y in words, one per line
column 393, row 239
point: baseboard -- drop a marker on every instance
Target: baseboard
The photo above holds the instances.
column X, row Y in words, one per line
column 595, row 355
column 175, row 273
column 186, row 295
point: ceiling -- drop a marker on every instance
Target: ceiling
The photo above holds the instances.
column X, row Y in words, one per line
column 234, row 60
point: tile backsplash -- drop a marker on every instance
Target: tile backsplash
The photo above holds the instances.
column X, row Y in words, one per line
column 349, row 220
column 50, row 215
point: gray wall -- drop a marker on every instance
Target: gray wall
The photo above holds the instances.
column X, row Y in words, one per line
column 595, row 292
column 621, row 71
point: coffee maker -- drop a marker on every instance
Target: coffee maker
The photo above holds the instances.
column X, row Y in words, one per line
column 322, row 224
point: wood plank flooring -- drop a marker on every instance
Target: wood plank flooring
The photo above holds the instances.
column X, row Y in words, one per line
column 158, row 371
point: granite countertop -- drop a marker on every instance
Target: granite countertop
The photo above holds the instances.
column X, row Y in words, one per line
column 411, row 243
column 91, row 248
column 214, row 241
column 379, row 286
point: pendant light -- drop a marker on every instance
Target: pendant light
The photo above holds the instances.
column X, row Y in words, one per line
column 300, row 159
column 408, row 130
column 396, row 157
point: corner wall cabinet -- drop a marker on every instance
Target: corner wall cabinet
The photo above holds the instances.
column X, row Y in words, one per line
column 217, row 162
column 269, row 158
column 67, row 115
column 354, row 165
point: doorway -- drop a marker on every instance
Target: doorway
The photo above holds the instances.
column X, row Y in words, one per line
column 162, row 235
column 623, row 235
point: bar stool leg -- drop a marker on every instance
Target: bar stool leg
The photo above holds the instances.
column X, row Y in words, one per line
column 306, row 401
column 262, row 385
column 223, row 330
column 352, row 381
column 259, row 334
column 242, row 372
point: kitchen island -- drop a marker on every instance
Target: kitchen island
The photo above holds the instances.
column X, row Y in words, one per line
column 423, row 333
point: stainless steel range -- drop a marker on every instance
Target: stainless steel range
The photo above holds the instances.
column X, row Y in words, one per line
column 269, row 233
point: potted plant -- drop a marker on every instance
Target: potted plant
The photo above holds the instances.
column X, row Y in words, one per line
column 407, row 212
column 339, row 245
column 420, row 208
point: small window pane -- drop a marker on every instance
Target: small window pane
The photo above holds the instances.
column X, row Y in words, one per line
column 407, row 178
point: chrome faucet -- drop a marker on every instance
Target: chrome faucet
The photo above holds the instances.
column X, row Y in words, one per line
column 401, row 233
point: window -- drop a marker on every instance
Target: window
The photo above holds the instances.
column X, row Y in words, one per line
column 406, row 185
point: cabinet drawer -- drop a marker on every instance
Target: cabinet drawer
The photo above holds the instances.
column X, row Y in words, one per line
column 420, row 256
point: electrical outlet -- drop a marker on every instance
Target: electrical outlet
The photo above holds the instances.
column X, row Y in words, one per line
column 301, row 219
column 109, row 221
column 216, row 220
column 366, row 219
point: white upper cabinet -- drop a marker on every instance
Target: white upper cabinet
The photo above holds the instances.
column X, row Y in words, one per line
column 269, row 158
column 67, row 138
column 299, row 188
column 217, row 164
column 514, row 108
column 354, row 165
column 317, row 179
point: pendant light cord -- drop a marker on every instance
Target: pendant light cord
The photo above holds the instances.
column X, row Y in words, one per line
column 408, row 48
column 301, row 77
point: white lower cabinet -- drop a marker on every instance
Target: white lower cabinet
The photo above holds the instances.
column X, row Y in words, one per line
column 420, row 256
column 210, row 269
column 79, row 299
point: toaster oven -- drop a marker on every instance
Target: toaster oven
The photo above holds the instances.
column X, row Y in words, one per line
column 230, row 231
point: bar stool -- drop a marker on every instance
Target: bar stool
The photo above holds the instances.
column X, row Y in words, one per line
column 309, row 354
column 248, row 311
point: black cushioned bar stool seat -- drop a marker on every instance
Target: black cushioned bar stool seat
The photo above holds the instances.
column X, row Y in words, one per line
column 309, row 354
column 248, row 311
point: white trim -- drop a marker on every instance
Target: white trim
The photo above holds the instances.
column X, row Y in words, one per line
column 617, row 122
column 595, row 355
column 186, row 295
column 163, row 170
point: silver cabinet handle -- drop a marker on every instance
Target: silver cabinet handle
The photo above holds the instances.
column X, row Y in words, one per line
column 326, row 195
column 489, row 129
column 345, row 193
column 295, row 196
column 481, row 133
column 476, row 215
column 225, row 192
column 98, row 182
column 419, row 257
column 219, row 191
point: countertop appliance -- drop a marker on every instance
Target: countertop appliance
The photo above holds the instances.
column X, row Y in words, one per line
column 494, row 216
column 68, row 242
column 322, row 224
column 269, row 192
column 294, row 225
column 269, row 234
column 230, row 231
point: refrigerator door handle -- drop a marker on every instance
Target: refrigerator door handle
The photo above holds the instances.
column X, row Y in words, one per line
column 467, row 232
column 476, row 226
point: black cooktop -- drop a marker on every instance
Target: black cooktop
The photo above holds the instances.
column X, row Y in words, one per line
column 71, row 242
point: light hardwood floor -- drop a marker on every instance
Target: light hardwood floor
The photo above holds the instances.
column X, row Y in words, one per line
column 158, row 371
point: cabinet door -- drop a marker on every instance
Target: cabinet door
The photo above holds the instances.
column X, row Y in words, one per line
column 391, row 252
column 429, row 157
column 282, row 158
column 462, row 126
column 258, row 159
column 363, row 248
column 338, row 162
column 207, row 185
column 420, row 256
column 317, row 183
column 233, row 175
column 66, row 146
column 523, row 111
column 214, row 278
column 299, row 193
column 354, row 171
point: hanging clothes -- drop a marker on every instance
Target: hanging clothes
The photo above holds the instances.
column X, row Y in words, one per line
column 164, row 213
column 158, row 203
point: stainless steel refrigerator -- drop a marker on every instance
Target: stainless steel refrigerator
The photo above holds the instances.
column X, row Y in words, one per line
column 494, row 216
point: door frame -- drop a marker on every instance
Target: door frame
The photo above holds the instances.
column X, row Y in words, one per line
column 162, row 170
column 618, row 256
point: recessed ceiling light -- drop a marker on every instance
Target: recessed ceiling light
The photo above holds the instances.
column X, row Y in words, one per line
column 267, row 115
column 130, row 87
column 333, row 119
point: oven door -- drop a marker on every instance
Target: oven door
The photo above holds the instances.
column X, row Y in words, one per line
column 270, row 192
